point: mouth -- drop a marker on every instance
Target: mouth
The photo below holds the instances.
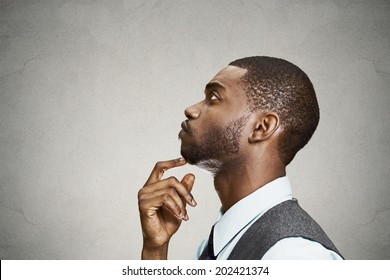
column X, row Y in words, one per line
column 185, row 127
column 185, row 130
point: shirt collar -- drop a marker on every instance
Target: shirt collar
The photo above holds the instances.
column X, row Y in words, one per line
column 230, row 223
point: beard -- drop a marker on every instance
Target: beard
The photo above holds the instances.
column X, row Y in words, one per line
column 216, row 145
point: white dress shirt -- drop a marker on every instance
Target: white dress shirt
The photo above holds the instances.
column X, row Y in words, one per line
column 230, row 226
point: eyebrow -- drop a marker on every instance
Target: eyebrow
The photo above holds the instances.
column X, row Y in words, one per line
column 214, row 84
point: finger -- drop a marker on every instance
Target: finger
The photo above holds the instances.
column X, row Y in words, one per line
column 170, row 182
column 172, row 193
column 151, row 206
column 188, row 182
column 161, row 167
column 185, row 218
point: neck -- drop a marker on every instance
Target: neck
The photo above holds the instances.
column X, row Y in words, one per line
column 233, row 182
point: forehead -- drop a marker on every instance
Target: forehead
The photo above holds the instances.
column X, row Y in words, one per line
column 229, row 77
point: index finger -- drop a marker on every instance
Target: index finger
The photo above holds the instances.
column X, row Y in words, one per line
column 161, row 167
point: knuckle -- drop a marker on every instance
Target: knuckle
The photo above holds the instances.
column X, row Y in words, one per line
column 140, row 193
column 172, row 180
column 171, row 191
column 158, row 164
column 164, row 197
column 176, row 208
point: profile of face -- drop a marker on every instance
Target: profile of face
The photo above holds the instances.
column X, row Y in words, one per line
column 212, row 133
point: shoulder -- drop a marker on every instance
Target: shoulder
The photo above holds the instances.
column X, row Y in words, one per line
column 298, row 248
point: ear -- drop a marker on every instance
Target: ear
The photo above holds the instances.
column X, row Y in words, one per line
column 264, row 127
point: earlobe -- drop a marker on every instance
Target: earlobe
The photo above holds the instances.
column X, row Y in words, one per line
column 264, row 127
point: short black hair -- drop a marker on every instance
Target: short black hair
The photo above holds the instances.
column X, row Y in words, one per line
column 276, row 85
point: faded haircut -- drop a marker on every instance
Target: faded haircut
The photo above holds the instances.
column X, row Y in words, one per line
column 276, row 85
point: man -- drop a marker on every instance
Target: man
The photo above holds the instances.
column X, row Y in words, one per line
column 257, row 113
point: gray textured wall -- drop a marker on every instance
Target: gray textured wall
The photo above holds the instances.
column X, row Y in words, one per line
column 92, row 93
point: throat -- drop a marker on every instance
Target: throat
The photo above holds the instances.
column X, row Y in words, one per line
column 234, row 184
column 231, row 186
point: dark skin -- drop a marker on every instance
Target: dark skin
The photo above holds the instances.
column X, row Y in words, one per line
column 162, row 202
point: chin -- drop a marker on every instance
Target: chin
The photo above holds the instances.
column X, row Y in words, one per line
column 210, row 165
column 187, row 157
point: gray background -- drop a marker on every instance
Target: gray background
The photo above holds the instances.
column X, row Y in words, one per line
column 92, row 94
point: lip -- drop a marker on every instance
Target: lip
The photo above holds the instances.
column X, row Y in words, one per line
column 185, row 127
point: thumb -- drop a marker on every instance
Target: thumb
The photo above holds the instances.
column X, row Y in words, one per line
column 188, row 182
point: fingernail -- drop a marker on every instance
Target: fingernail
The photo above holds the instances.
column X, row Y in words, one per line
column 186, row 217
column 181, row 159
column 191, row 200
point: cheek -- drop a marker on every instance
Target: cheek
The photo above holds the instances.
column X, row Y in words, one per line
column 219, row 117
column 245, row 135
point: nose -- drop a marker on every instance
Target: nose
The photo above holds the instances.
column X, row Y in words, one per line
column 192, row 112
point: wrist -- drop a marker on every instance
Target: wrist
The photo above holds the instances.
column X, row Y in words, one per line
column 154, row 253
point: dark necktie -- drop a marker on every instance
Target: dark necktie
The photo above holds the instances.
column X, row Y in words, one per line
column 210, row 247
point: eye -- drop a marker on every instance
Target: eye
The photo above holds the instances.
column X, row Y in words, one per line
column 214, row 95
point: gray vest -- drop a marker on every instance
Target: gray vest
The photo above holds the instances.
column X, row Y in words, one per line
column 286, row 219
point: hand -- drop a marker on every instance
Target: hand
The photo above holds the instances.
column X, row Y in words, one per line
column 162, row 207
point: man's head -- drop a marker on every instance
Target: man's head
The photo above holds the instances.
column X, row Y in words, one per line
column 252, row 100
